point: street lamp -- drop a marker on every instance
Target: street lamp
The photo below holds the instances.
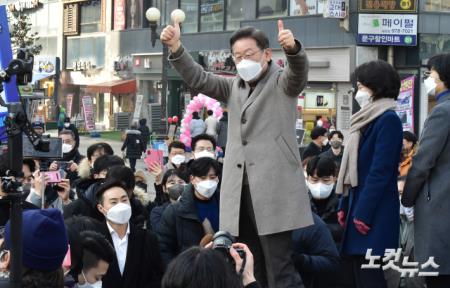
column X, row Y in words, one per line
column 153, row 15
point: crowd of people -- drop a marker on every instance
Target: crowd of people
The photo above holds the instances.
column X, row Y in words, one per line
column 265, row 217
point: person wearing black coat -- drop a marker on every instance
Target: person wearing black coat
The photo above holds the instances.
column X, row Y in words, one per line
column 71, row 127
column 134, row 145
column 315, row 255
column 138, row 260
column 145, row 132
column 185, row 223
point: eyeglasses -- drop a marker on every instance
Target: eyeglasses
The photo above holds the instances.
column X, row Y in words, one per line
column 248, row 54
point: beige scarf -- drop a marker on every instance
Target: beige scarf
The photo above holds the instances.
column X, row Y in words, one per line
column 348, row 175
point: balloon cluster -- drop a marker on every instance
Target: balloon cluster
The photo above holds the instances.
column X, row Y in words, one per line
column 173, row 120
column 196, row 105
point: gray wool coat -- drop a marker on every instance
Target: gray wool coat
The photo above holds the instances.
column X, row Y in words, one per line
column 427, row 188
column 261, row 139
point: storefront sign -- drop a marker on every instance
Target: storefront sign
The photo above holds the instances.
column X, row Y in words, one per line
column 219, row 61
column 335, row 9
column 119, row 14
column 386, row 6
column 387, row 29
column 26, row 90
column 21, row 5
column 319, row 100
column 88, row 110
column 82, row 65
column 69, row 101
column 44, row 67
column 138, row 108
column 405, row 103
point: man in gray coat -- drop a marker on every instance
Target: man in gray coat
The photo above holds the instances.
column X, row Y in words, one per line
column 263, row 193
column 427, row 186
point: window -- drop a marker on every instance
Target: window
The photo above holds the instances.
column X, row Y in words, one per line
column 190, row 7
column 272, row 8
column 432, row 44
column 90, row 49
column 49, row 45
column 91, row 16
column 134, row 14
column 306, row 7
column 235, row 14
column 168, row 7
column 437, row 5
column 211, row 15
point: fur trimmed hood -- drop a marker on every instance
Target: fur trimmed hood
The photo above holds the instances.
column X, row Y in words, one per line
column 141, row 195
column 84, row 169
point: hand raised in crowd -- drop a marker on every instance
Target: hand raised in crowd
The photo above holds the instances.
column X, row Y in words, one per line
column 38, row 184
column 171, row 36
column 64, row 195
column 73, row 166
column 248, row 274
column 157, row 171
column 285, row 37
column 53, row 166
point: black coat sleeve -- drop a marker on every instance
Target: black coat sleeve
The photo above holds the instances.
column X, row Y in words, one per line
column 125, row 143
column 153, row 261
column 167, row 235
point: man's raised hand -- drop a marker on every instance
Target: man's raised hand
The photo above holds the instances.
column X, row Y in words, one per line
column 285, row 37
column 171, row 36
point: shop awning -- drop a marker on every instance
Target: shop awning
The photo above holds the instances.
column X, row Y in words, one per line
column 114, row 87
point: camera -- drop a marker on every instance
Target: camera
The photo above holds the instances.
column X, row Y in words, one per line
column 222, row 242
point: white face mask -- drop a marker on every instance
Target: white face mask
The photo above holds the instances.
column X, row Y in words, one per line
column 119, row 213
column 204, row 153
column 86, row 284
column 319, row 123
column 320, row 190
column 248, row 70
column 363, row 98
column 66, row 148
column 206, row 188
column 325, row 142
column 178, row 159
column 66, row 125
column 430, row 86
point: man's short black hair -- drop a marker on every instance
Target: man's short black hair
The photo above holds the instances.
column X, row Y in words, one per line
column 104, row 162
column 203, row 137
column 124, row 174
column 95, row 248
column 339, row 133
column 177, row 144
column 201, row 167
column 380, row 77
column 111, row 183
column 317, row 132
column 143, row 121
column 30, row 163
column 180, row 173
column 410, row 137
column 105, row 147
column 441, row 64
column 209, row 112
column 250, row 32
column 321, row 166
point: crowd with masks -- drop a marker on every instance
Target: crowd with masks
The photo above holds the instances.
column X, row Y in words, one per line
column 274, row 220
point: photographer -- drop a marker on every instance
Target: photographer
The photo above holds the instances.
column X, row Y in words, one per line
column 71, row 156
column 56, row 194
column 207, row 268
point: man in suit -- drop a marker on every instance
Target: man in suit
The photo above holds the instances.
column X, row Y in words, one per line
column 427, row 186
column 138, row 261
column 262, row 154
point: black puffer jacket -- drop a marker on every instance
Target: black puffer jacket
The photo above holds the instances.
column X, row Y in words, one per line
column 180, row 227
column 134, row 144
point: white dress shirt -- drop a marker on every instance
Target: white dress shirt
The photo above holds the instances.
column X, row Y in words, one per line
column 120, row 245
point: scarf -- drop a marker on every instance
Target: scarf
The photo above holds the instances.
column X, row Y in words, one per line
column 348, row 175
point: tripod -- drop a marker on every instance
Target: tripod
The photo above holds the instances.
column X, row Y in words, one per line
column 17, row 123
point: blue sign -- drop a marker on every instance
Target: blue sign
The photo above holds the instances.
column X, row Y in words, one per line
column 11, row 93
column 3, row 136
column 392, row 40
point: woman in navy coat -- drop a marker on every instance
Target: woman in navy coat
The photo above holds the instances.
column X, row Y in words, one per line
column 369, row 208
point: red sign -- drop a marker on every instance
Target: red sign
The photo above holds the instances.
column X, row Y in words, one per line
column 119, row 14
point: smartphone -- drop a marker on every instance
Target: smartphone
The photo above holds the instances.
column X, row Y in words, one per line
column 154, row 156
column 53, row 177
column 64, row 165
